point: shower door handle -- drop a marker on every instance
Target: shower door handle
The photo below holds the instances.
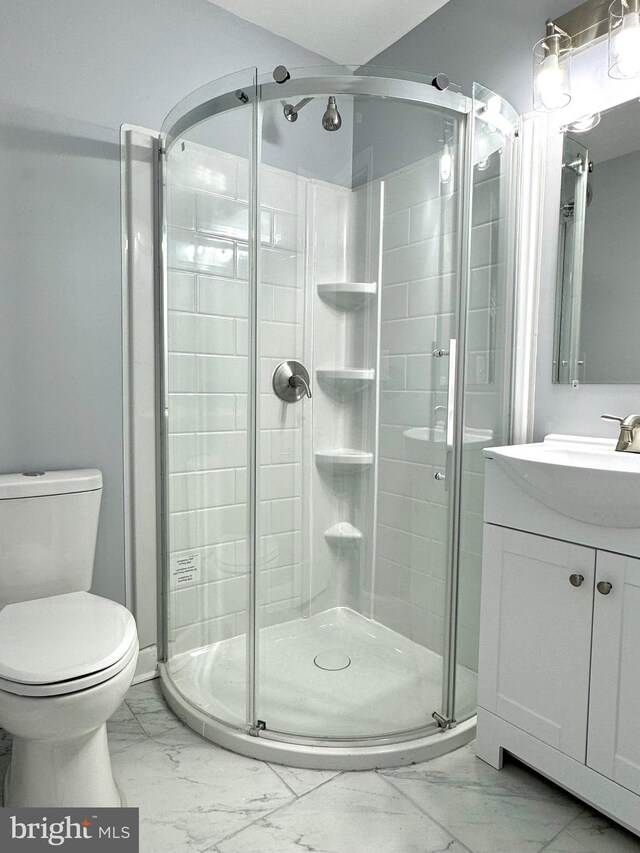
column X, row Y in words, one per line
column 451, row 393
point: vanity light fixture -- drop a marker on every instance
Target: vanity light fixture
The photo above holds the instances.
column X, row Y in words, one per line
column 589, row 22
column 624, row 39
column 552, row 70
column 446, row 158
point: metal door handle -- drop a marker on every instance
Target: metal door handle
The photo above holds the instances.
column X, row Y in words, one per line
column 576, row 580
column 451, row 393
column 604, row 587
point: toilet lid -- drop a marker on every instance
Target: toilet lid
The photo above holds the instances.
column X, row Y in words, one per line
column 55, row 639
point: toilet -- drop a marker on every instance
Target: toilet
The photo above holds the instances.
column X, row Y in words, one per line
column 67, row 657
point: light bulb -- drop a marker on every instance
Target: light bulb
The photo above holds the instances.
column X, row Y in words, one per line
column 549, row 81
column 446, row 164
column 625, row 45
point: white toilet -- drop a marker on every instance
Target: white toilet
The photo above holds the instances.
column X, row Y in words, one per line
column 67, row 657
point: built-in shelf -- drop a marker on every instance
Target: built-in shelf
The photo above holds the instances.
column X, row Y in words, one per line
column 344, row 457
column 343, row 531
column 347, row 294
column 351, row 376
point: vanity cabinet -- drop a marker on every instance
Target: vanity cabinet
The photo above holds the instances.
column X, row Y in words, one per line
column 559, row 673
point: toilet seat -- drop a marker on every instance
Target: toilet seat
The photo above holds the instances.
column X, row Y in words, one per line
column 63, row 644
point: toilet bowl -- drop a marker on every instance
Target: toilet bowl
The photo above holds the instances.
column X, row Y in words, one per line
column 66, row 659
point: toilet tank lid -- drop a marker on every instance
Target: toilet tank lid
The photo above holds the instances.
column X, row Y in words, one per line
column 33, row 484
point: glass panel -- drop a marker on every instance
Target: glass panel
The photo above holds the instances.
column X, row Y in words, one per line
column 487, row 357
column 208, row 577
column 569, row 359
column 358, row 279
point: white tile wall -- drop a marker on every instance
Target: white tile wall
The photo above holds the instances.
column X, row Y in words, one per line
column 208, row 381
column 419, row 286
column 314, row 232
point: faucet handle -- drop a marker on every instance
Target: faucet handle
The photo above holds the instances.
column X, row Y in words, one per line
column 612, row 418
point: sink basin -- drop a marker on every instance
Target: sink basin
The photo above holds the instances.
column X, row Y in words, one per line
column 437, row 435
column 583, row 478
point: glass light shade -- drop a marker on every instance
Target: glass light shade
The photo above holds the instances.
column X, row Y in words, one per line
column 624, row 39
column 552, row 73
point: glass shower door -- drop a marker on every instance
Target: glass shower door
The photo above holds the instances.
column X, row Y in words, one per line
column 358, row 274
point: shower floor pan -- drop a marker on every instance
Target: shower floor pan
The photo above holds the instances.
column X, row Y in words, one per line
column 334, row 675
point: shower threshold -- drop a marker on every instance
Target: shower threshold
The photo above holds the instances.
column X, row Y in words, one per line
column 391, row 684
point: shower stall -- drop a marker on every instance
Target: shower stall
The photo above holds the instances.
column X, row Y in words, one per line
column 336, row 352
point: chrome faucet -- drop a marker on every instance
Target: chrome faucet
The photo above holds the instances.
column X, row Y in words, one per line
column 629, row 438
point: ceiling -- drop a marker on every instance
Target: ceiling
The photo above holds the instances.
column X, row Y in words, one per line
column 349, row 32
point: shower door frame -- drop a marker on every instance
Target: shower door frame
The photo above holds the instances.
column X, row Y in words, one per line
column 317, row 82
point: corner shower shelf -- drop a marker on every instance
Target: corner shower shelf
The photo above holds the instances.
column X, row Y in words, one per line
column 343, row 532
column 344, row 457
column 347, row 294
column 352, row 377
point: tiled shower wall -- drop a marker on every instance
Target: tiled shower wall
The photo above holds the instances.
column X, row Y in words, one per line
column 419, row 284
column 208, row 385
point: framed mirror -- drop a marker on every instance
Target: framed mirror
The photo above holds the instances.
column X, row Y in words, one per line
column 597, row 313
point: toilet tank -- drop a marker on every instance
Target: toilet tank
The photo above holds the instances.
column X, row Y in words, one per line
column 48, row 529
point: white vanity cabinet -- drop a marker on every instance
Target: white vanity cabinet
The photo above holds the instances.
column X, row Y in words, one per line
column 559, row 674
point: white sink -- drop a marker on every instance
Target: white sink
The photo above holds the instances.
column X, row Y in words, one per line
column 583, row 478
column 437, row 435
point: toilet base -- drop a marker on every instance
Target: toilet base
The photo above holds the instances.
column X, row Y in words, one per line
column 67, row 773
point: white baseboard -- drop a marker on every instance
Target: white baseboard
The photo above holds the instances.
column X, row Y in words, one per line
column 147, row 667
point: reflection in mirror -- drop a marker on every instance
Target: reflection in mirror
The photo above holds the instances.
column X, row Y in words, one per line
column 598, row 273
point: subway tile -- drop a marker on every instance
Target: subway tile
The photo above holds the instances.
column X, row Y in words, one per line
column 182, row 372
column 283, row 267
column 192, row 251
column 201, row 412
column 419, row 260
column 412, row 335
column 193, row 333
column 201, row 490
column 394, row 301
column 432, row 296
column 279, row 339
column 222, row 373
column 412, row 186
column 222, row 296
column 183, row 455
column 286, row 232
column 280, row 481
column 182, row 207
column 278, row 189
column 485, row 244
column 288, row 304
column 181, row 291
column 222, row 449
column 433, row 218
column 286, row 515
column 223, row 216
column 203, row 168
column 286, row 446
column 395, row 229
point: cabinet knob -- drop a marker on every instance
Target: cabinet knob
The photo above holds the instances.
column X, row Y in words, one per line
column 576, row 580
column 604, row 587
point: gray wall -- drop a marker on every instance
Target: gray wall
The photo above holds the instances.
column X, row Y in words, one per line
column 488, row 41
column 73, row 72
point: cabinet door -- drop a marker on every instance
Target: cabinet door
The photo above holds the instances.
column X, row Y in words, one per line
column 535, row 638
column 614, row 708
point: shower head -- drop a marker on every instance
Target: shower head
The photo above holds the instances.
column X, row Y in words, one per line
column 332, row 120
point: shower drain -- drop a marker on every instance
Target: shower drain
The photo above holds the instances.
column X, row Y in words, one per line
column 332, row 660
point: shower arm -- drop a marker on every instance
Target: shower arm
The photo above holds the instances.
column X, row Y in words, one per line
column 291, row 110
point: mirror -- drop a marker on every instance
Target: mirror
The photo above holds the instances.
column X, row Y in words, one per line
column 598, row 274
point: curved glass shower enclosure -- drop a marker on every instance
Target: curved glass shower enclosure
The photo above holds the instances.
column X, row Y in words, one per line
column 336, row 351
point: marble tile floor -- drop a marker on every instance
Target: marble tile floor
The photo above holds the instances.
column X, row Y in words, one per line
column 197, row 798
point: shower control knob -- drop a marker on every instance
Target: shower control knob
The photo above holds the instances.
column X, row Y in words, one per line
column 604, row 587
column 576, row 580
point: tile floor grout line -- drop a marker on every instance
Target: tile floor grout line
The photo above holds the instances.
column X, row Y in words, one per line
column 281, row 779
column 279, row 808
column 560, row 831
column 426, row 813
